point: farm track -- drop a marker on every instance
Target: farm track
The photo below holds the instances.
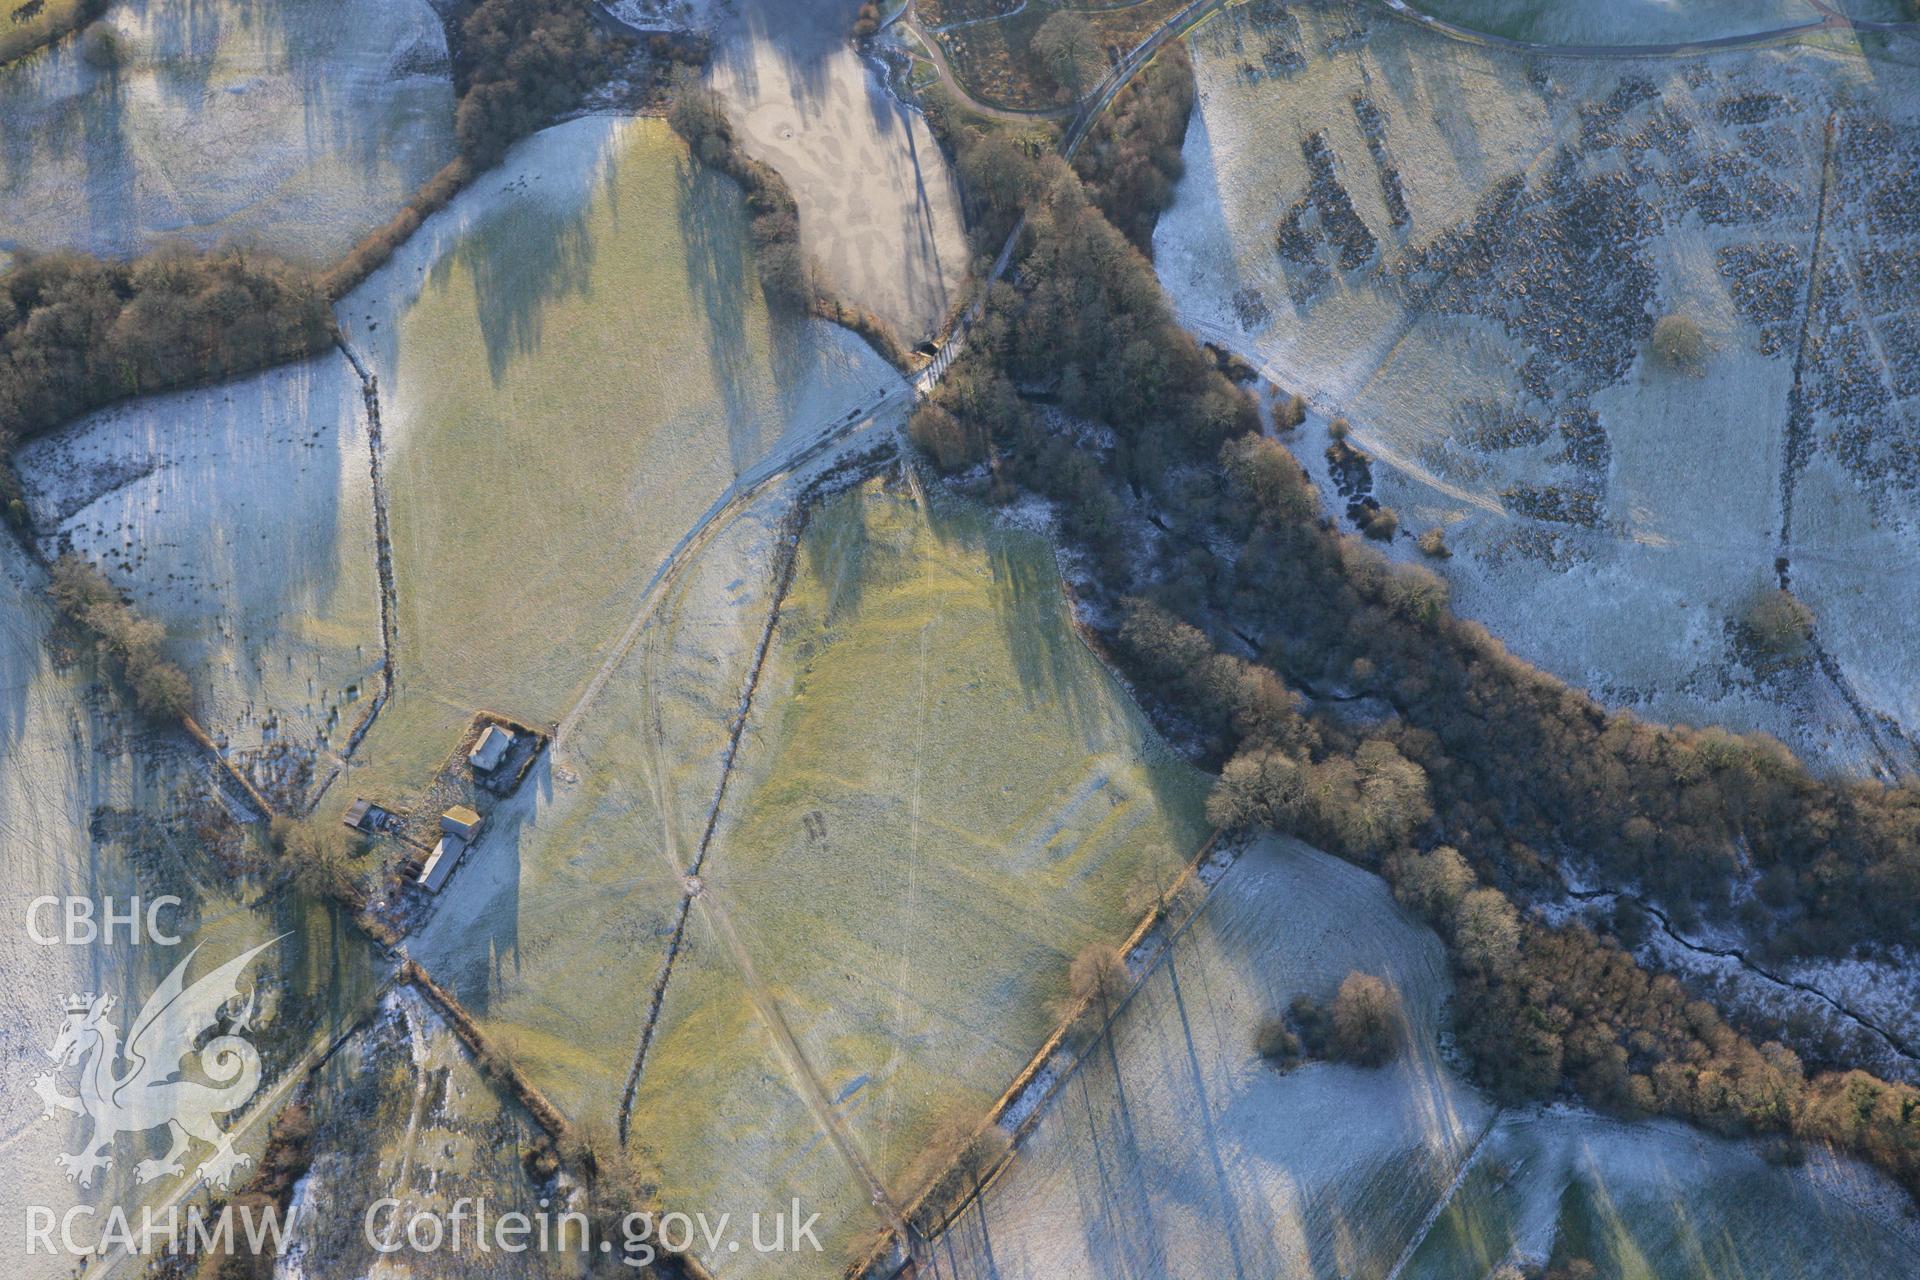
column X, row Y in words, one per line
column 1833, row 20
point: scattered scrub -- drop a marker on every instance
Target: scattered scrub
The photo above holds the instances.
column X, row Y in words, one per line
column 1777, row 627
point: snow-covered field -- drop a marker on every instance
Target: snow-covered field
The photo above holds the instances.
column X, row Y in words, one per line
column 1464, row 252
column 295, row 125
column 879, row 210
column 1176, row 1151
column 241, row 516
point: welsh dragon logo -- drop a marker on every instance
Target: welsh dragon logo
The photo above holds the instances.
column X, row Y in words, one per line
column 150, row 1091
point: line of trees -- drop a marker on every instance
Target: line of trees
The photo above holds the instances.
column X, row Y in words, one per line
column 125, row 638
column 1131, row 158
column 1237, row 592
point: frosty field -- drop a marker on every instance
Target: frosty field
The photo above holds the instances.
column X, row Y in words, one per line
column 294, row 125
column 567, row 909
column 1464, row 251
column 89, row 805
column 1659, row 1199
column 1176, row 1151
column 575, row 361
column 872, row 943
column 242, row 517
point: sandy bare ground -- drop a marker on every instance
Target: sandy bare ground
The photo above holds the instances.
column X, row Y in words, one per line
column 879, row 211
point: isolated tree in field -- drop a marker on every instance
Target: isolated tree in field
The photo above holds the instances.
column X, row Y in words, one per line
column 1680, row 344
column 1777, row 625
column 1070, row 47
column 1098, row 975
column 1366, row 1020
column 100, row 47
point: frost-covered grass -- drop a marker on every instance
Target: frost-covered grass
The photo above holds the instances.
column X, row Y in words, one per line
column 1656, row 1199
column 1175, row 1150
column 296, row 125
column 241, row 517
column 940, row 797
column 1466, row 347
column 575, row 361
column 563, row 915
column 75, row 776
column 1618, row 22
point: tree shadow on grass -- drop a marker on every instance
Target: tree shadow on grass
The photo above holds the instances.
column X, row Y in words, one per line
column 714, row 235
column 523, row 258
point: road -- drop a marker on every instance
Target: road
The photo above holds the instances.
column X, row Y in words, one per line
column 1831, row 19
column 1089, row 108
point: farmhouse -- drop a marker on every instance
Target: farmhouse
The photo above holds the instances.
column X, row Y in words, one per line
column 461, row 822
column 491, row 749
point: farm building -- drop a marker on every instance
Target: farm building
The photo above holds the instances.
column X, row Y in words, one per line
column 365, row 815
column 440, row 863
column 462, row 822
column 491, row 749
